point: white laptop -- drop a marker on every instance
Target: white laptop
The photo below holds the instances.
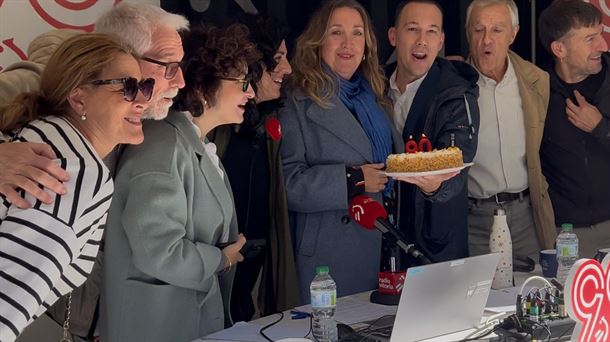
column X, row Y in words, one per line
column 443, row 298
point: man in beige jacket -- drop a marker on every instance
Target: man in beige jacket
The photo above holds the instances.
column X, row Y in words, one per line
column 513, row 101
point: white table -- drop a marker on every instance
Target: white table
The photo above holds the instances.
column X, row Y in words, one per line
column 365, row 311
column 356, row 308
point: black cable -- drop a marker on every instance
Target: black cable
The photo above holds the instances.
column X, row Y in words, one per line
column 508, row 335
column 545, row 326
column 548, row 330
column 261, row 331
column 366, row 332
column 498, row 326
column 563, row 333
column 311, row 329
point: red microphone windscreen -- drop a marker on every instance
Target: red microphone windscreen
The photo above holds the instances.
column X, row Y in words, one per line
column 273, row 128
column 365, row 210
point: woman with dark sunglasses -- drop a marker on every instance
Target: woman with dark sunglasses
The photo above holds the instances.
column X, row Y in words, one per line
column 91, row 98
column 172, row 239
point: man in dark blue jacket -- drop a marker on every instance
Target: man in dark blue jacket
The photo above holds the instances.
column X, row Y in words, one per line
column 575, row 150
column 438, row 98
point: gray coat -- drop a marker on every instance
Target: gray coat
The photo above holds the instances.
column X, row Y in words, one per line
column 163, row 277
column 317, row 146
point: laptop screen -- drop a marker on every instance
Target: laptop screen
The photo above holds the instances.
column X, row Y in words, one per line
column 445, row 297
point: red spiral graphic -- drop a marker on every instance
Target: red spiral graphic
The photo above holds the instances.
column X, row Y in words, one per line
column 589, row 299
column 11, row 45
column 69, row 5
column 602, row 5
column 76, row 6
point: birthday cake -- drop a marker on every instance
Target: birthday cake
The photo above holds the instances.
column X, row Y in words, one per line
column 446, row 158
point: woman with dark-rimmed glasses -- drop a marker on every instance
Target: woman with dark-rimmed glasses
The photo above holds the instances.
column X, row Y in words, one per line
column 171, row 241
column 250, row 154
column 91, row 99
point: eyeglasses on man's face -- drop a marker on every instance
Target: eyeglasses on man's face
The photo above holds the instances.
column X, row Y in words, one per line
column 171, row 68
column 131, row 87
column 245, row 82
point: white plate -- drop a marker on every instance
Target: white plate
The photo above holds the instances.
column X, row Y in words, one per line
column 427, row 173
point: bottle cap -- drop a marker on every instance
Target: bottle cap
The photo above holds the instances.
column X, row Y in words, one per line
column 321, row 269
column 567, row 227
column 499, row 212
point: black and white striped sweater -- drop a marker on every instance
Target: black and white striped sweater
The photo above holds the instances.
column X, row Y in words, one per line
column 48, row 250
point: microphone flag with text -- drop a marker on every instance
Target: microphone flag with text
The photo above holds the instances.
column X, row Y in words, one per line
column 370, row 214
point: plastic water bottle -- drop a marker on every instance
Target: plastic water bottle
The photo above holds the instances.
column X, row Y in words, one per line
column 323, row 292
column 500, row 242
column 567, row 251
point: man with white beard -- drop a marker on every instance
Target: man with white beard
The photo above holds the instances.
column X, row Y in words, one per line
column 153, row 34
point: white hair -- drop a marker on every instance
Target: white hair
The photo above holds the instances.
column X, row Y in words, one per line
column 512, row 7
column 136, row 23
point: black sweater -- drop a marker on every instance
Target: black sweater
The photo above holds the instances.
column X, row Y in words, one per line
column 576, row 163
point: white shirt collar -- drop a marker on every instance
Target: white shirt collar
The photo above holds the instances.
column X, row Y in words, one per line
column 402, row 101
column 413, row 85
column 485, row 81
column 209, row 147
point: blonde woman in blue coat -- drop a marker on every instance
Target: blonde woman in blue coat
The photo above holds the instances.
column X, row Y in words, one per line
column 337, row 136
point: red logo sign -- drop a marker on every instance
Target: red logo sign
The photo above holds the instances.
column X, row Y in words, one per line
column 587, row 298
column 391, row 283
column 60, row 14
column 67, row 8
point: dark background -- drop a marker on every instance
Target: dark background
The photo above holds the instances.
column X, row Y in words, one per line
column 297, row 12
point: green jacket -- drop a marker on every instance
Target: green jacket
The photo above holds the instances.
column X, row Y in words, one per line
column 164, row 278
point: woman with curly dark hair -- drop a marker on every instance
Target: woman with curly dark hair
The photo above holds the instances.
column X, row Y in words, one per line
column 171, row 279
column 249, row 152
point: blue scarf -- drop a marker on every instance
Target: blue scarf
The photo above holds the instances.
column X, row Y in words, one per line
column 357, row 95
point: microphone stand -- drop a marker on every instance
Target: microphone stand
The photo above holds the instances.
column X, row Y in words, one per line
column 396, row 237
column 376, row 216
column 397, row 240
